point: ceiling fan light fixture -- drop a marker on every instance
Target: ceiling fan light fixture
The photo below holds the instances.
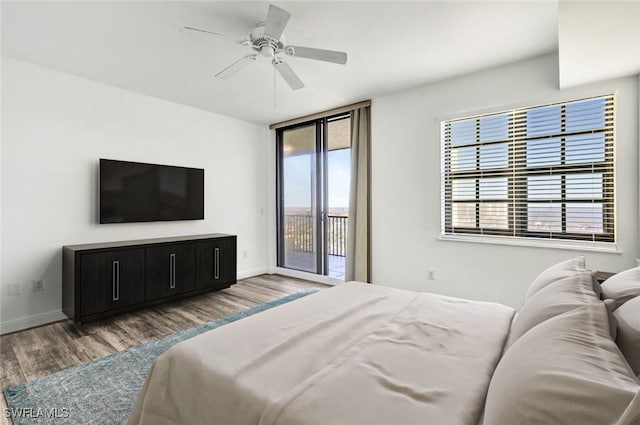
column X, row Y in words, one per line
column 267, row 51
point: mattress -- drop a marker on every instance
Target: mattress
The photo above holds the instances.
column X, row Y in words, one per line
column 353, row 354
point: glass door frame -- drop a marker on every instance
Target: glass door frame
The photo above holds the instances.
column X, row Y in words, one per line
column 321, row 192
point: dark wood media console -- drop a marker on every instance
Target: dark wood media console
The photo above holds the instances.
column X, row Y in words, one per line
column 103, row 279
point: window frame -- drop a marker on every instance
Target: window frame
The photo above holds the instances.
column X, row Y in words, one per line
column 517, row 172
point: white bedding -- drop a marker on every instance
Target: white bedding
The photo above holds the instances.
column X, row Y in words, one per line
column 353, row 354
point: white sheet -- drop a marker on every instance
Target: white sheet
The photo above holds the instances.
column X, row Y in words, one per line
column 353, row 354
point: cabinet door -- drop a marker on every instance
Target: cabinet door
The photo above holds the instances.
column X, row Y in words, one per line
column 215, row 262
column 170, row 270
column 110, row 280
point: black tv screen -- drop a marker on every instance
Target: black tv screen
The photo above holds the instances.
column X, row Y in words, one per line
column 137, row 192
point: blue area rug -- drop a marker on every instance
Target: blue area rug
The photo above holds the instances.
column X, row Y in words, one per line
column 103, row 392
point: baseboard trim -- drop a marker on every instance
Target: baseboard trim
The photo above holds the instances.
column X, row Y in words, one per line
column 31, row 322
column 307, row 276
column 250, row 273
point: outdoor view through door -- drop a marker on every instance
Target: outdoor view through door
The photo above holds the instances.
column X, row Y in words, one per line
column 313, row 195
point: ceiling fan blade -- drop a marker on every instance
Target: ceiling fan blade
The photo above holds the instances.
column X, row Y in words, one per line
column 317, row 54
column 287, row 73
column 276, row 21
column 236, row 66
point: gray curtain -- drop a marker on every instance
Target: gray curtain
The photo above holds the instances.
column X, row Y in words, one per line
column 358, row 261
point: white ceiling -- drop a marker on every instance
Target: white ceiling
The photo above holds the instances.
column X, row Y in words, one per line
column 392, row 45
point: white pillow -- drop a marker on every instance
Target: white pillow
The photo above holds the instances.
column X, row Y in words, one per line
column 622, row 287
column 628, row 338
column 556, row 272
column 556, row 298
column 565, row 371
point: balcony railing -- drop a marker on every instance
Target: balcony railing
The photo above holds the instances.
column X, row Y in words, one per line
column 299, row 233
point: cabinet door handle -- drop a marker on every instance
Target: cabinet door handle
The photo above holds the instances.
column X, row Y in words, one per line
column 115, row 280
column 216, row 263
column 172, row 271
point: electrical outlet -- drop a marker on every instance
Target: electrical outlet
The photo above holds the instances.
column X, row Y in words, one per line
column 245, row 254
column 15, row 289
column 38, row 285
column 431, row 274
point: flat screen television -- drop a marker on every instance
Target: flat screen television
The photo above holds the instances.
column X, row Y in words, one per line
column 137, row 192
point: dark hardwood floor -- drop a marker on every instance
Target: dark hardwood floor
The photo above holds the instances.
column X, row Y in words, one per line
column 40, row 351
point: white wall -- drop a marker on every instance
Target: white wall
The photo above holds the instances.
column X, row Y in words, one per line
column 598, row 40
column 406, row 184
column 55, row 128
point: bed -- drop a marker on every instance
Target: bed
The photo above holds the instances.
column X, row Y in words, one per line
column 366, row 354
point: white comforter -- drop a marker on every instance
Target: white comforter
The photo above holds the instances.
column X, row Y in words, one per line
column 353, row 354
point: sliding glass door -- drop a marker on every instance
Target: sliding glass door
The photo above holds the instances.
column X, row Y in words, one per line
column 313, row 195
column 299, row 198
column 337, row 179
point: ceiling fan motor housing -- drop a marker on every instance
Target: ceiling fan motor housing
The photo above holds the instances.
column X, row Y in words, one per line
column 267, row 46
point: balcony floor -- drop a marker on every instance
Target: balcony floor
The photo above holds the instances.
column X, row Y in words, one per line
column 306, row 261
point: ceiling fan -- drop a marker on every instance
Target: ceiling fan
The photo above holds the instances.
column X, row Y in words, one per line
column 268, row 40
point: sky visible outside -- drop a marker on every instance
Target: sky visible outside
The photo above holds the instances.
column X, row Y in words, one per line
column 297, row 179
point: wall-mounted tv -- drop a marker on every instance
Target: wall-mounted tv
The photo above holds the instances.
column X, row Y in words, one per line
column 138, row 192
